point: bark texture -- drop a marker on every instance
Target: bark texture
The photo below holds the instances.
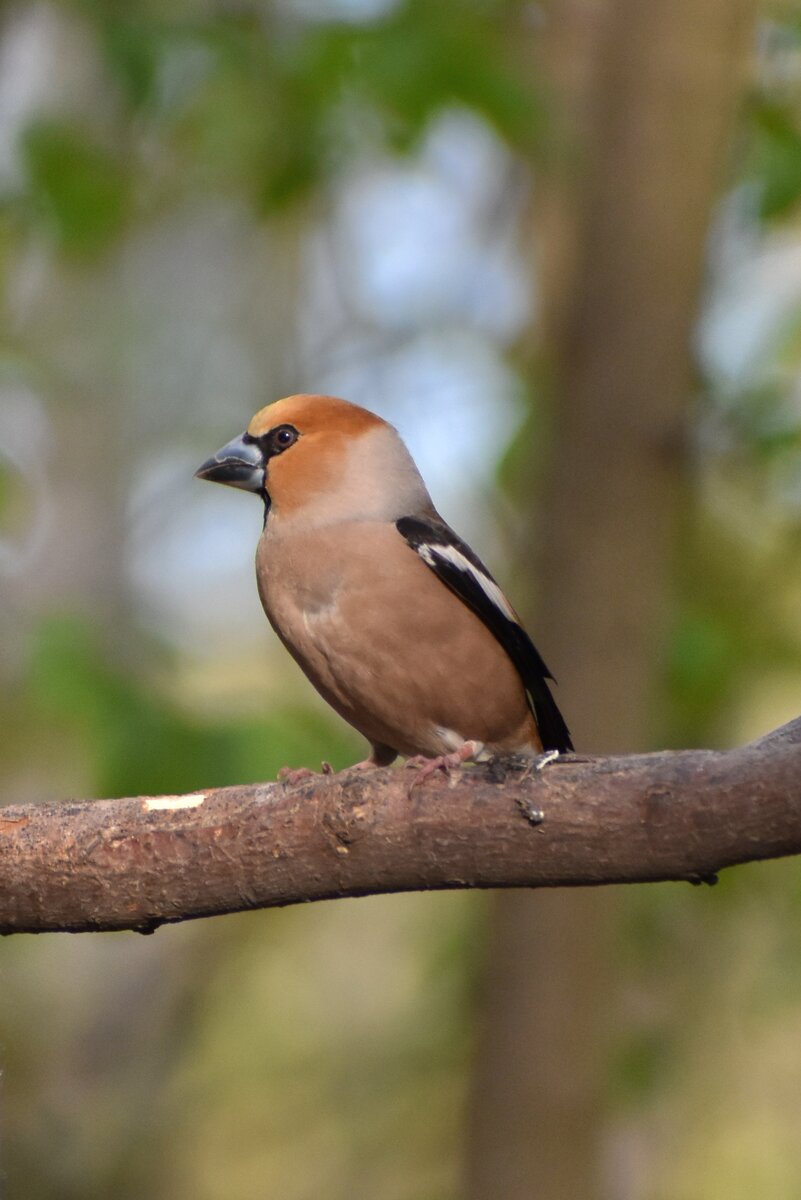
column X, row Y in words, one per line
column 138, row 863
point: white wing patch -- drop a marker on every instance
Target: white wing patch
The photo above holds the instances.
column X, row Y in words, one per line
column 430, row 552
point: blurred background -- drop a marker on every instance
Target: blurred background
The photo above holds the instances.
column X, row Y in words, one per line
column 559, row 246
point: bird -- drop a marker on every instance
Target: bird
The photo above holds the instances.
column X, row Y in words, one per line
column 394, row 620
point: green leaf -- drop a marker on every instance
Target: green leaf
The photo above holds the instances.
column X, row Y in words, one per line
column 139, row 742
column 279, row 102
column 777, row 159
column 76, row 187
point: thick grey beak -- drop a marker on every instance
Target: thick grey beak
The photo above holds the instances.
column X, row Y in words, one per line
column 240, row 464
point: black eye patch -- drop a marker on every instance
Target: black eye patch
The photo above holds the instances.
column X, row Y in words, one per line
column 276, row 440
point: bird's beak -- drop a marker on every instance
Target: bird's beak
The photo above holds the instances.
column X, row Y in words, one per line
column 240, row 464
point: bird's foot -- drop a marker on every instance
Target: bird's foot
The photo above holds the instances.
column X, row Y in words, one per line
column 293, row 775
column 442, row 762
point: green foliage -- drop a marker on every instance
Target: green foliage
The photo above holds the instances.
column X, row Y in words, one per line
column 6, row 491
column 425, row 57
column 643, row 1064
column 732, row 624
column 762, row 427
column 17, row 504
column 735, row 613
column 705, row 662
column 260, row 103
column 133, row 46
column 140, row 742
column 777, row 159
column 774, row 127
column 275, row 103
column 76, row 187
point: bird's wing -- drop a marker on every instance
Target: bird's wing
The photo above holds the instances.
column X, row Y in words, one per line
column 455, row 564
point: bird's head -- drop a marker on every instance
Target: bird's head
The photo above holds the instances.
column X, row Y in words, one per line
column 323, row 457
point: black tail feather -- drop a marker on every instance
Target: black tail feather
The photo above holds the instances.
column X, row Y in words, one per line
column 551, row 725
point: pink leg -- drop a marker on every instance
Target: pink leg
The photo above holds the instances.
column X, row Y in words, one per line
column 442, row 762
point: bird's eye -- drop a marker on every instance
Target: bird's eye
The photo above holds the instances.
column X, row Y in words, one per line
column 282, row 438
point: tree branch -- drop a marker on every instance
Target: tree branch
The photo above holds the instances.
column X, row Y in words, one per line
column 138, row 863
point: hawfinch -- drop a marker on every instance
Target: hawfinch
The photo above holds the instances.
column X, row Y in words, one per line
column 396, row 622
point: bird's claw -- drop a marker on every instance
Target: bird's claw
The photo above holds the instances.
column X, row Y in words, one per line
column 293, row 775
column 442, row 762
column 429, row 766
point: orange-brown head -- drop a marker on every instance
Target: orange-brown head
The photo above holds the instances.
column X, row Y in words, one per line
column 323, row 457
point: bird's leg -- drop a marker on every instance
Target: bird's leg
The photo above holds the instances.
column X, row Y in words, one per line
column 442, row 762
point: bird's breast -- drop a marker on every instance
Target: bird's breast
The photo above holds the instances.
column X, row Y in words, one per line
column 387, row 644
column 298, row 584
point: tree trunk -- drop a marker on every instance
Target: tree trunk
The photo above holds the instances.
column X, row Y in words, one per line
column 621, row 290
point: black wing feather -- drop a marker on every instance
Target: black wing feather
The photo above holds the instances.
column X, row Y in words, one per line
column 424, row 536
